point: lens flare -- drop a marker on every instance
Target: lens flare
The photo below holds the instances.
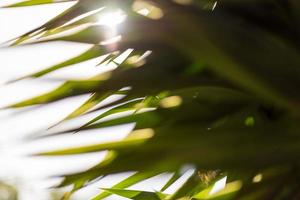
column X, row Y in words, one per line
column 112, row 19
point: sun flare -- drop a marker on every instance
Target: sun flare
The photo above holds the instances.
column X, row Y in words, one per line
column 112, row 19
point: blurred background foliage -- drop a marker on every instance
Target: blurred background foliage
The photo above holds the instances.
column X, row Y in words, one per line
column 209, row 84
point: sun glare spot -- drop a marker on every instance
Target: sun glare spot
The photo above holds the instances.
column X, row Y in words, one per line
column 257, row 178
column 147, row 9
column 112, row 19
column 141, row 134
column 250, row 121
column 143, row 11
column 170, row 102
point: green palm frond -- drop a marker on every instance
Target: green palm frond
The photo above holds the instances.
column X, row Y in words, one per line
column 219, row 90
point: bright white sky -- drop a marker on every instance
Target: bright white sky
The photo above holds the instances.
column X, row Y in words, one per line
column 31, row 174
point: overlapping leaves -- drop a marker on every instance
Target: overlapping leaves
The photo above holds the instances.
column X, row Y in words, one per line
column 219, row 91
